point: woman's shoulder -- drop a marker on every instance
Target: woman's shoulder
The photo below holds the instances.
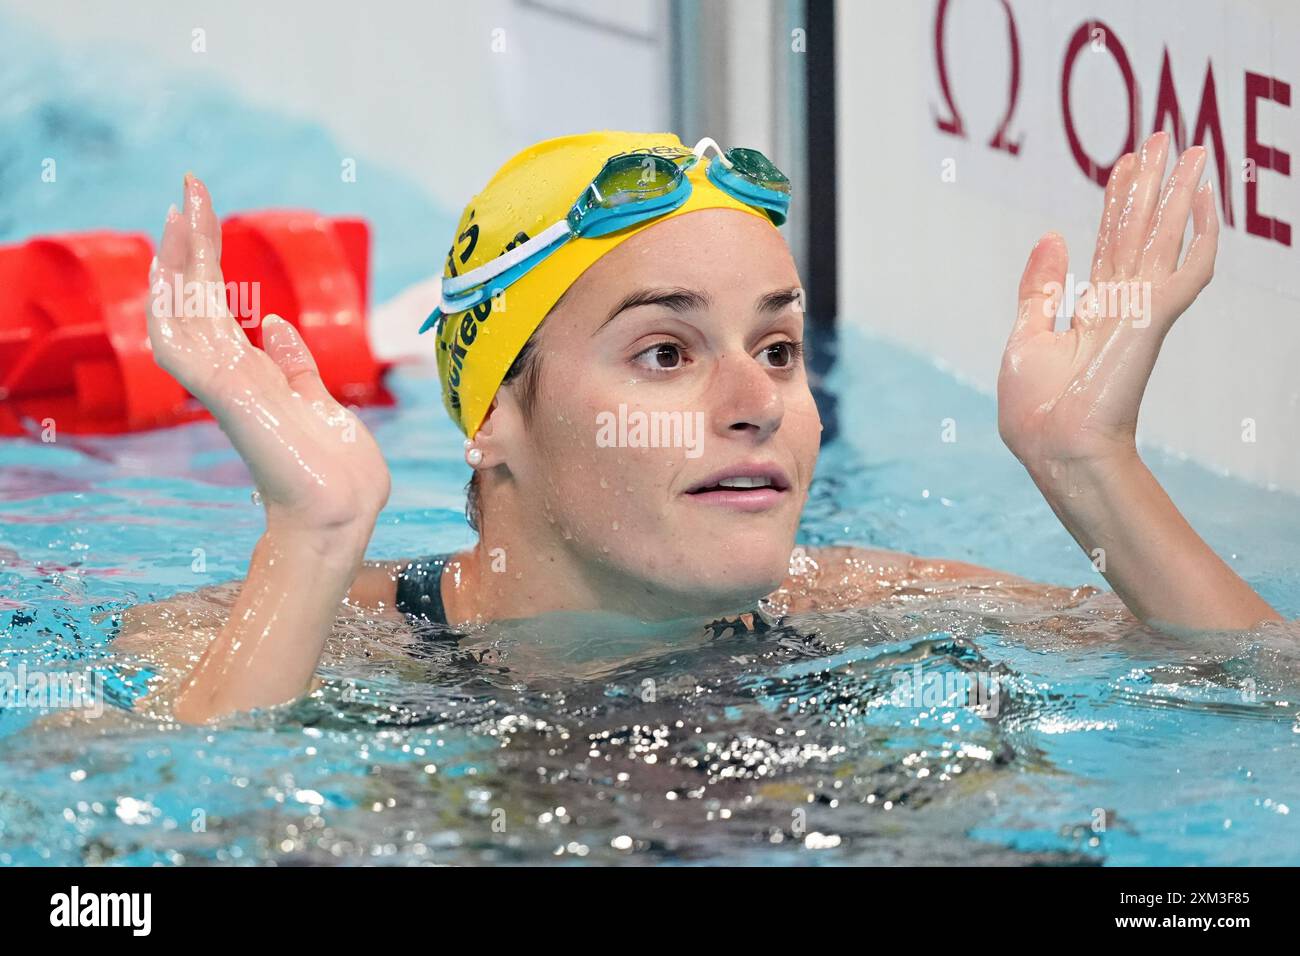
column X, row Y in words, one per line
column 837, row 577
column 880, row 563
column 392, row 585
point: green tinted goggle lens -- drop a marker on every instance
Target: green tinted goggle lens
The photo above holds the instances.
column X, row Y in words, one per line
column 634, row 178
column 753, row 165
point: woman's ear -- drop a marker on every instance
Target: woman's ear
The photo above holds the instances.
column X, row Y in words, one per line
column 492, row 438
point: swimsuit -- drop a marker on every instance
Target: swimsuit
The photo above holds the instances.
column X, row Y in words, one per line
column 419, row 588
column 419, row 593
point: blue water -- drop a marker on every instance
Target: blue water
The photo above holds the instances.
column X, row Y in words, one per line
column 1109, row 744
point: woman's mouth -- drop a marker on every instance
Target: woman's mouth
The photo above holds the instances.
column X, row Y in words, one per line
column 743, row 488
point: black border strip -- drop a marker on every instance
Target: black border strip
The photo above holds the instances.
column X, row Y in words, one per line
column 823, row 226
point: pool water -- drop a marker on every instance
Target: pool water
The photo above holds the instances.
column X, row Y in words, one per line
column 838, row 738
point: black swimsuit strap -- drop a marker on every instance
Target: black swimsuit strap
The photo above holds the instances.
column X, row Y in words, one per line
column 419, row 588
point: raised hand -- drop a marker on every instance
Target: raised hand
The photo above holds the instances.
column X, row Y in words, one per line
column 1068, row 401
column 1074, row 395
column 316, row 466
column 320, row 474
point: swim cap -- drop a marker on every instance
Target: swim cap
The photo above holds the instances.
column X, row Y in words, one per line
column 530, row 193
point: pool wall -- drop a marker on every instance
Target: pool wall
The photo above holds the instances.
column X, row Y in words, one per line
column 936, row 225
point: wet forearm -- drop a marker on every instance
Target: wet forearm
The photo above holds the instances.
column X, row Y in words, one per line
column 1156, row 562
column 269, row 647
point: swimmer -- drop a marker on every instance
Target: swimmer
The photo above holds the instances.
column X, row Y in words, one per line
column 607, row 280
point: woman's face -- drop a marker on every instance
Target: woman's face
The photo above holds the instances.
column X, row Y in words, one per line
column 686, row 337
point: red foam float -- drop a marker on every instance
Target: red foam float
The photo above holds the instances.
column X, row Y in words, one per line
column 74, row 341
column 311, row 271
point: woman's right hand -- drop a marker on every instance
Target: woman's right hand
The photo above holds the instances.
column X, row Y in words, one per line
column 315, row 465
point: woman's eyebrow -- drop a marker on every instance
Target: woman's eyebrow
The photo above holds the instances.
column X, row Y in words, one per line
column 688, row 300
column 778, row 300
column 678, row 300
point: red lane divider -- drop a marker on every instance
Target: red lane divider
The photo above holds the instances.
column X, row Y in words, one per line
column 74, row 340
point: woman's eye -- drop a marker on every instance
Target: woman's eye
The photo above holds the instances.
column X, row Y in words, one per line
column 660, row 358
column 783, row 354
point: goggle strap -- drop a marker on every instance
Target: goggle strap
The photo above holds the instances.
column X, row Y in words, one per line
column 457, row 285
column 434, row 317
column 703, row 145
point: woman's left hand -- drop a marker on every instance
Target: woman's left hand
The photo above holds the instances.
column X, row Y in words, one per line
column 1073, row 396
column 1068, row 401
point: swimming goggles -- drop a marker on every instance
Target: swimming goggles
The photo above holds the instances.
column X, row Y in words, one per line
column 630, row 188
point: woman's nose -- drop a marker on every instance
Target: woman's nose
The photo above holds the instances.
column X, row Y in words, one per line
column 744, row 397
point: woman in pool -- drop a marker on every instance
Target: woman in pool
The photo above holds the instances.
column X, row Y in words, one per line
column 667, row 291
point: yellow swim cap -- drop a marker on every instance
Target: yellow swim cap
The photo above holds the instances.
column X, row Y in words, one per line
column 530, row 193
